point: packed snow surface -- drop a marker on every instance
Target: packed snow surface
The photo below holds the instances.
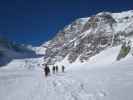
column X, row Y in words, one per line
column 110, row 81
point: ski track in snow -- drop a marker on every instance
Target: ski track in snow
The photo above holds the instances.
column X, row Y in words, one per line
column 111, row 83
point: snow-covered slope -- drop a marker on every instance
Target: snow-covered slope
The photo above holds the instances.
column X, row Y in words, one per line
column 104, row 58
column 106, row 81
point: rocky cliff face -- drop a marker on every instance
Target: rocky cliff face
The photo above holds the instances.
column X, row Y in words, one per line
column 86, row 37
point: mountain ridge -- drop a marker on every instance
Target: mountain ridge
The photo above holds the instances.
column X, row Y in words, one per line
column 10, row 50
column 86, row 37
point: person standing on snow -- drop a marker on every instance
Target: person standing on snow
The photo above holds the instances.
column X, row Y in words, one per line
column 63, row 68
column 46, row 70
column 56, row 69
column 53, row 69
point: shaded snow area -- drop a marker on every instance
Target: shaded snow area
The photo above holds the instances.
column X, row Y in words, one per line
column 110, row 81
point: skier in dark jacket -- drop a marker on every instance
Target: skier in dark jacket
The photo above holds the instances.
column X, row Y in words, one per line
column 47, row 70
column 53, row 69
column 56, row 68
column 63, row 68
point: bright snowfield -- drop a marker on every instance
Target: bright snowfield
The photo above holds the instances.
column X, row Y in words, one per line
column 108, row 80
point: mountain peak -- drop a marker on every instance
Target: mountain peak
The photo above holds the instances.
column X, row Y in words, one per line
column 86, row 37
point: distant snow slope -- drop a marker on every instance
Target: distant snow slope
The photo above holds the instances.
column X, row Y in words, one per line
column 110, row 81
column 106, row 57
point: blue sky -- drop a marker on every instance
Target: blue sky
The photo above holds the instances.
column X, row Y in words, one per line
column 36, row 21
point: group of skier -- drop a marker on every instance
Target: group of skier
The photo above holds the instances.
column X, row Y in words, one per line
column 55, row 69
